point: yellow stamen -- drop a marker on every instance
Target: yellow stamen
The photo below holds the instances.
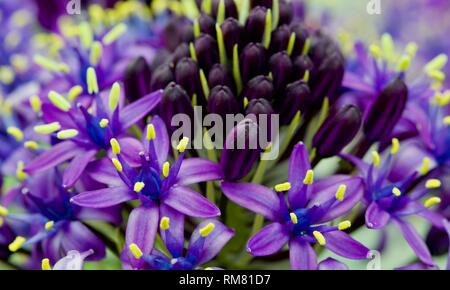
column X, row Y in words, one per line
column 96, row 53
column 7, row 75
column 245, row 102
column 306, row 46
column 306, row 76
column 91, row 79
column 117, row 164
column 395, row 146
column 114, row 96
column 86, row 36
column 138, row 186
column 206, row 230
column 192, row 52
column 21, row 175
column 16, row 133
column 404, row 63
column 320, row 238
column 59, row 101
column 165, row 223
column 67, row 134
column 396, row 191
column 344, row 225
column 294, row 219
column 114, row 33
column 49, row 225
column 340, row 193
column 183, row 144
column 432, row 201
column 103, row 123
column 436, row 63
column 425, row 168
column 16, row 244
column 166, row 167
column 151, row 134
column 115, row 146
column 45, row 264
column 32, row 145
column 411, row 49
column 291, row 43
column 3, row 211
column 47, row 128
column 375, row 51
column 74, row 92
column 196, row 28
column 137, row 253
column 35, row 103
column 50, row 64
column 282, row 187
column 376, row 158
column 309, row 178
column 446, row 121
column 433, row 183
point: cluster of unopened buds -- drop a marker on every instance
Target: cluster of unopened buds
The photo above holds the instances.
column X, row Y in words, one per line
column 92, row 168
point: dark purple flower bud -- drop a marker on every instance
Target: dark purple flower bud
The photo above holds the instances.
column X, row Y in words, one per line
column 384, row 113
column 233, row 33
column 176, row 31
column 179, row 53
column 263, row 3
column 48, row 12
column 252, row 61
column 220, row 76
column 207, row 24
column 221, row 101
column 187, row 76
column 281, row 67
column 260, row 87
column 137, row 79
column 259, row 107
column 175, row 101
column 301, row 34
column 240, row 150
column 337, row 131
column 302, row 63
column 286, row 12
column 207, row 51
column 256, row 23
column 437, row 241
column 293, row 100
column 161, row 77
column 230, row 8
column 280, row 39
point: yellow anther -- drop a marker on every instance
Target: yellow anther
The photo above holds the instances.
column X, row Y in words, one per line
column 433, row 183
column 411, row 49
column 425, row 168
column 16, row 244
column 114, row 96
column 196, row 28
column 19, row 62
column 3, row 211
column 86, row 36
column 376, row 158
column 117, row 164
column 294, row 219
column 396, row 191
column 206, row 230
column 59, row 101
column 151, row 134
column 432, row 201
column 16, row 133
column 47, row 128
column 50, row 64
column 375, row 51
column 7, row 75
column 395, row 146
column 49, row 225
column 138, row 186
column 306, row 46
column 320, row 238
column 344, row 225
column 245, row 102
column 192, row 52
column 74, row 92
column 137, row 253
column 166, row 167
column 165, row 223
column 103, row 123
column 91, row 79
column 45, row 264
column 446, row 121
column 67, row 134
column 388, row 47
column 436, row 63
column 282, row 187
column 21, row 175
column 340, row 193
column 309, row 178
column 32, row 145
column 114, row 33
column 96, row 53
column 183, row 144
column 115, row 146
column 404, row 63
column 35, row 103
column 306, row 76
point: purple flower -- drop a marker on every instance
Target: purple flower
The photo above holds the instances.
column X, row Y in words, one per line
column 157, row 194
column 303, row 219
column 207, row 240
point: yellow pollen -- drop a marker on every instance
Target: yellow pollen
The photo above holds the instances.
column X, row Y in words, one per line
column 166, row 167
column 114, row 95
column 74, row 92
column 137, row 253
column 396, row 191
column 151, row 135
column 309, row 178
column 32, row 145
column 165, row 223
column 115, row 146
column 294, row 219
column 45, row 264
column 3, row 211
column 50, row 64
column 35, row 103
column 16, row 133
column 395, row 146
column 433, row 183
column 103, row 123
column 67, row 134
column 16, row 244
column 404, row 63
column 320, row 238
column 376, row 158
column 183, row 144
column 206, row 230
column 21, row 175
column 47, row 128
column 59, row 101
column 344, row 225
column 114, row 33
column 282, row 187
column 340, row 193
column 49, row 225
column 425, row 166
column 117, row 164
column 96, row 53
column 446, row 121
column 432, row 201
column 91, row 79
column 138, row 186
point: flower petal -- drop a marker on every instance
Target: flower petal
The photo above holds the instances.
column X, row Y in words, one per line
column 332, row 264
column 161, row 142
column 137, row 110
column 446, row 224
column 298, row 166
column 110, row 214
column 376, row 217
column 195, row 170
column 174, row 236
column 78, row 237
column 302, row 255
column 345, row 246
column 254, row 197
column 76, row 167
column 103, row 171
column 104, row 197
column 268, row 240
column 130, row 149
column 190, row 202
